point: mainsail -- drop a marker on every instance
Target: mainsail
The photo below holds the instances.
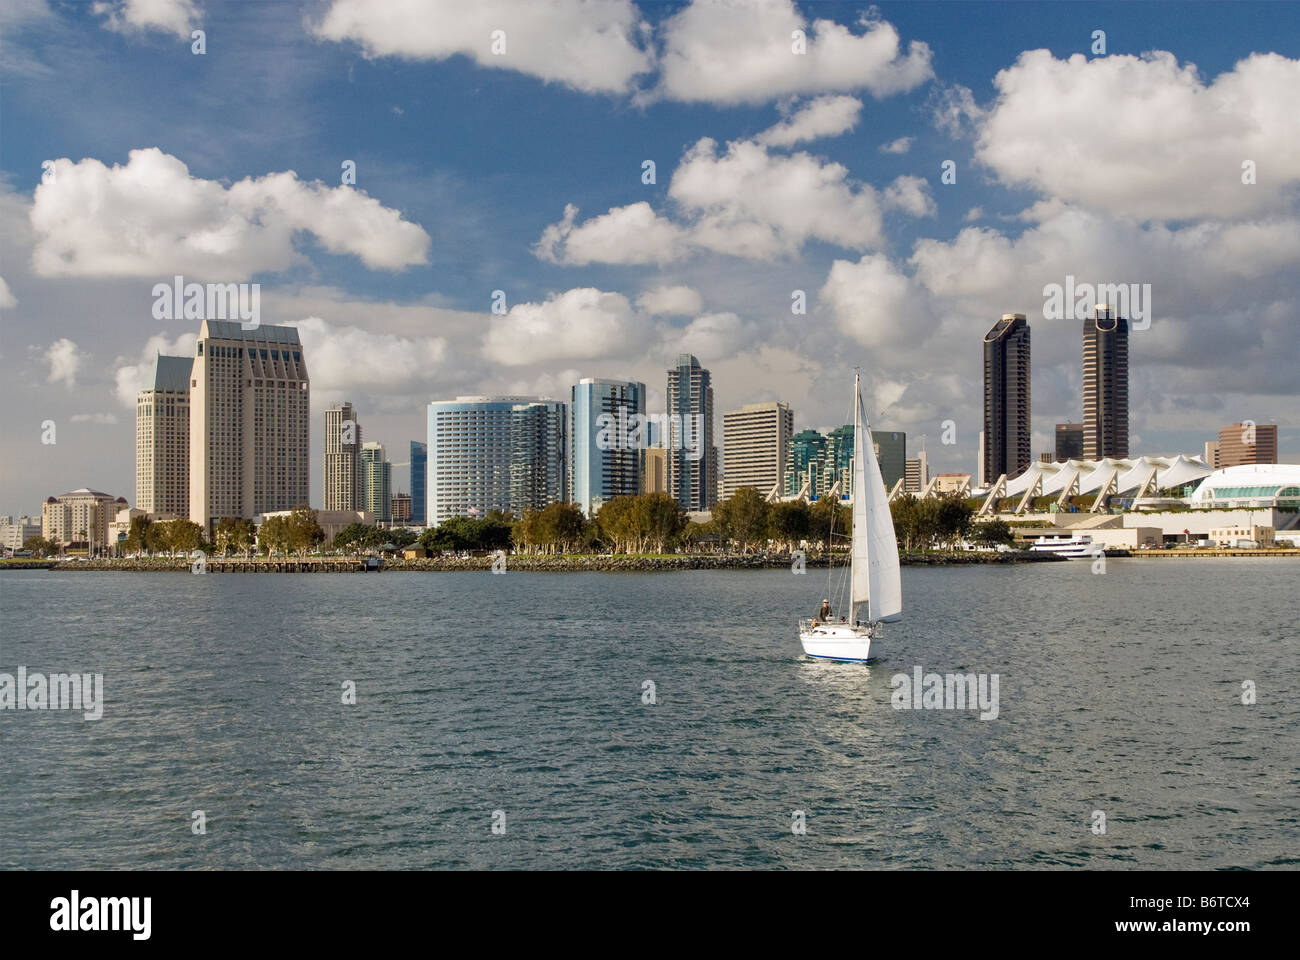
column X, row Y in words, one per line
column 875, row 578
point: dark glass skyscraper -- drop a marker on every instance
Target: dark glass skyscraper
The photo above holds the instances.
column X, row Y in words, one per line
column 692, row 454
column 1007, row 437
column 419, row 476
column 1105, row 385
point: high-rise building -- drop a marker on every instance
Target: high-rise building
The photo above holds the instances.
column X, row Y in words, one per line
column 821, row 461
column 692, row 453
column 756, row 440
column 496, row 453
column 891, row 453
column 803, row 463
column 654, row 470
column 162, row 438
column 250, row 405
column 341, row 473
column 419, row 479
column 606, row 442
column 1105, row 385
column 376, row 482
column 1007, row 421
column 401, row 508
column 1069, row 442
column 1245, row 443
column 1212, row 453
column 918, row 473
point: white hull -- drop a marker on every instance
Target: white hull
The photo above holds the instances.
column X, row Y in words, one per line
column 835, row 641
column 1075, row 548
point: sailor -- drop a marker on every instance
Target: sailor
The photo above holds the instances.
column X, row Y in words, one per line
column 825, row 612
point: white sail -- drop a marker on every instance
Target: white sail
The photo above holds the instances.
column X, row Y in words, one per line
column 876, row 578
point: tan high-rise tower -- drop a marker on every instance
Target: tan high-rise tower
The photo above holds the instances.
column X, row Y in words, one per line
column 342, row 473
column 755, row 444
column 249, row 411
column 162, row 439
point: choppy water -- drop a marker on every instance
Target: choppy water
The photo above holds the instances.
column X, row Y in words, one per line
column 523, row 693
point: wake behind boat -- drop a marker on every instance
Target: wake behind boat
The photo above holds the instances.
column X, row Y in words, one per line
column 875, row 581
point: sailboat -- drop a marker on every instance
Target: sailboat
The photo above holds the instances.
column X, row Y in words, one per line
column 875, row 582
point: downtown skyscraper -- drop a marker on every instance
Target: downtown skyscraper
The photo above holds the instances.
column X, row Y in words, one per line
column 249, row 410
column 692, row 453
column 496, row 453
column 1007, row 424
column 162, row 439
column 756, row 444
column 1105, row 385
column 376, row 482
column 605, row 454
column 341, row 477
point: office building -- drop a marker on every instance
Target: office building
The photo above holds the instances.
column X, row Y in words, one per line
column 376, row 482
column 341, row 463
column 419, row 481
column 401, row 508
column 1212, row 453
column 692, row 452
column 162, row 438
column 756, row 440
column 496, row 453
column 891, row 453
column 606, row 440
column 1247, row 443
column 1007, row 434
column 1069, row 442
column 918, row 474
column 654, row 470
column 1105, row 385
column 250, row 405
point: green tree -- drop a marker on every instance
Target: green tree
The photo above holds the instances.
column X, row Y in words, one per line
column 303, row 530
column 137, row 535
column 157, row 537
column 954, row 519
column 992, row 533
column 829, row 522
column 790, row 523
column 273, row 535
column 184, row 535
column 40, row 547
column 743, row 517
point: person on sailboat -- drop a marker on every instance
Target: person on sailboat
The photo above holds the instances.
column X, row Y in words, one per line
column 825, row 612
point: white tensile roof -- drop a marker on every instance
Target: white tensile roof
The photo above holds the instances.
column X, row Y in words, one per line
column 1093, row 475
column 1276, row 475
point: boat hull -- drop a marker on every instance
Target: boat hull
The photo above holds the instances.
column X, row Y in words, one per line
column 836, row 641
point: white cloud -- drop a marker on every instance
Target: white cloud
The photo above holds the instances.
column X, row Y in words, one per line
column 343, row 359
column 579, row 324
column 715, row 335
column 911, row 195
column 973, row 214
column 1143, row 137
column 101, row 418
column 65, row 362
column 901, row 145
column 589, row 45
column 631, row 234
column 954, row 110
column 670, row 301
column 731, row 53
column 824, row 117
column 7, row 300
column 130, row 378
column 874, row 302
column 742, row 201
column 151, row 218
column 177, row 17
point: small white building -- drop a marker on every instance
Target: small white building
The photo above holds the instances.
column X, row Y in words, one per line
column 1242, row 535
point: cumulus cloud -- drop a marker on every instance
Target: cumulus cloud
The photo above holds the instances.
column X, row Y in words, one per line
column 344, row 358
column 670, row 301
column 7, row 300
column 823, row 117
column 631, row 234
column 874, row 302
column 151, row 218
column 589, row 45
column 741, row 201
column 1144, row 137
column 901, row 145
column 579, row 324
column 715, row 335
column 65, row 362
column 731, row 53
column 954, row 110
column 911, row 195
column 177, row 17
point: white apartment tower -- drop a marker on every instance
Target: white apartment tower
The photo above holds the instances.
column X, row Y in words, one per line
column 249, row 412
column 756, row 442
column 342, row 471
column 162, row 439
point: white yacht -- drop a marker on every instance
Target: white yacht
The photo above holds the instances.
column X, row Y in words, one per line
column 1075, row 548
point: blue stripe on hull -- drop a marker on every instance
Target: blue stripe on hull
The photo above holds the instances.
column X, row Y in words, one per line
column 838, row 659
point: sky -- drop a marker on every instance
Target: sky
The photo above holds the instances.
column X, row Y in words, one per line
column 799, row 154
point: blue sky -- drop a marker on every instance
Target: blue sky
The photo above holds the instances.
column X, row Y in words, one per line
column 481, row 155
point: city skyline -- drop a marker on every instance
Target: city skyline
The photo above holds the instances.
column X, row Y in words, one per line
column 894, row 266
